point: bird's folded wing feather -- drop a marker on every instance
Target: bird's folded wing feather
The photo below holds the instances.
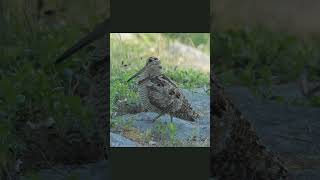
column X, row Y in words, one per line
column 159, row 93
column 168, row 79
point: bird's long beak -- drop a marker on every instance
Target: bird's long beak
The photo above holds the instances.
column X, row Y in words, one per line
column 137, row 74
column 99, row 31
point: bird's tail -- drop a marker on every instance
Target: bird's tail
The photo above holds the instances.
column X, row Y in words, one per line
column 186, row 112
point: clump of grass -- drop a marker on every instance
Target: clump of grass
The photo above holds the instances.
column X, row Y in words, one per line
column 172, row 132
column 165, row 134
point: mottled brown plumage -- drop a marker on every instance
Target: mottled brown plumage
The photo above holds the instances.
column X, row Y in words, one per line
column 160, row 94
column 237, row 152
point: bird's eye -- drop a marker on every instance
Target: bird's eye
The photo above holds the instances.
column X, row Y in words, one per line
column 150, row 60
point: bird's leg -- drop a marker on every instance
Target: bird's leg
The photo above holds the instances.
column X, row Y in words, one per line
column 157, row 117
column 171, row 118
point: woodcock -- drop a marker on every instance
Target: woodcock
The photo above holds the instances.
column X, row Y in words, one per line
column 160, row 94
column 237, row 151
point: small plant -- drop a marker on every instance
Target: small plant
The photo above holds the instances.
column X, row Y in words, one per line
column 165, row 133
column 148, row 136
column 172, row 132
column 160, row 131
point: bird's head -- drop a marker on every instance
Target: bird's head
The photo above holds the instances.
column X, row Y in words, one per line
column 151, row 69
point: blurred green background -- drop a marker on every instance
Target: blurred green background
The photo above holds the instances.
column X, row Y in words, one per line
column 32, row 90
column 260, row 58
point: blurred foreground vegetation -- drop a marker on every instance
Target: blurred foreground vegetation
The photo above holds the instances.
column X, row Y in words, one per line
column 32, row 90
column 259, row 58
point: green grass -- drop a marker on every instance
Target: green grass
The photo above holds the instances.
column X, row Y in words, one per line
column 259, row 58
column 260, row 54
column 164, row 134
column 133, row 53
column 33, row 89
column 198, row 40
column 189, row 78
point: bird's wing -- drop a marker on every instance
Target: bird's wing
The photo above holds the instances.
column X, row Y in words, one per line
column 168, row 79
column 162, row 94
column 99, row 31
